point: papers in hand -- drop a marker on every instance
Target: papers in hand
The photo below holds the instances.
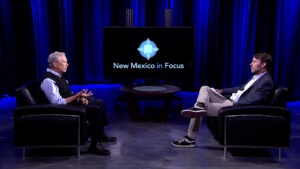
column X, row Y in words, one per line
column 215, row 91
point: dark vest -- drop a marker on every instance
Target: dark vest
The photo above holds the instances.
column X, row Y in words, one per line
column 62, row 83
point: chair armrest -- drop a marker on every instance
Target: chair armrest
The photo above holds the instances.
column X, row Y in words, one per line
column 47, row 130
column 254, row 110
column 49, row 109
column 254, row 125
column 51, row 113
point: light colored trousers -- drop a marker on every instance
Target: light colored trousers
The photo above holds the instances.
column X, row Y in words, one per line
column 213, row 103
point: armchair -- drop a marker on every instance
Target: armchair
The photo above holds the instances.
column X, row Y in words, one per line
column 254, row 126
column 39, row 124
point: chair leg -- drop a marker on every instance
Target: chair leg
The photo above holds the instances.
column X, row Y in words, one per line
column 78, row 152
column 279, row 154
column 225, row 152
column 23, row 153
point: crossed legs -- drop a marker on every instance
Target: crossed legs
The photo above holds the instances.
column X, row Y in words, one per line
column 208, row 104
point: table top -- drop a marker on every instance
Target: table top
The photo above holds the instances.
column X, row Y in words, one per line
column 151, row 90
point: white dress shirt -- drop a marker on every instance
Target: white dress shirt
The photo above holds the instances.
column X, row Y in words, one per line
column 236, row 96
column 51, row 90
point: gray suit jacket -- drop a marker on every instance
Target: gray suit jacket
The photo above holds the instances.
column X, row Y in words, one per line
column 260, row 92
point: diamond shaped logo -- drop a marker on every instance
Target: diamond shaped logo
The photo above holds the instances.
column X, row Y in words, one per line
column 148, row 49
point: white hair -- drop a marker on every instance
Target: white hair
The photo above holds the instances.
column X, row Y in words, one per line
column 54, row 57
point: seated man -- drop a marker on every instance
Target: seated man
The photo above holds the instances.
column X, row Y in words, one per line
column 57, row 90
column 258, row 90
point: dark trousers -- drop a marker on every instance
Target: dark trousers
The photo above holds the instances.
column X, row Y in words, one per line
column 97, row 118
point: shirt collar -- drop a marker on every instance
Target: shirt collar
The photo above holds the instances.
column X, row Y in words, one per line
column 258, row 76
column 53, row 72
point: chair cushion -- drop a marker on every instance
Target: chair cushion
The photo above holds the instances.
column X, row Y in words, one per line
column 280, row 97
column 30, row 94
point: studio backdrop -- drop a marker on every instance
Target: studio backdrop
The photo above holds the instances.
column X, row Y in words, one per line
column 227, row 34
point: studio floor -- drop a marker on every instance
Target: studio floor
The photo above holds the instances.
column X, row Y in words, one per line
column 145, row 144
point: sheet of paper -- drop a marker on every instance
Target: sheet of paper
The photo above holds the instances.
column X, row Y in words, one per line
column 215, row 91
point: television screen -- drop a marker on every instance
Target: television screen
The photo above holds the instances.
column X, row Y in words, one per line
column 148, row 52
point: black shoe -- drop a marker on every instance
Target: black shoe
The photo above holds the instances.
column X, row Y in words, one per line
column 200, row 105
column 105, row 138
column 193, row 112
column 98, row 149
column 185, row 142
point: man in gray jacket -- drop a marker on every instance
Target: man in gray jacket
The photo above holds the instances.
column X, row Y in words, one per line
column 257, row 91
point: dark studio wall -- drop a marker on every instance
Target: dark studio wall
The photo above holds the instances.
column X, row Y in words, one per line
column 227, row 34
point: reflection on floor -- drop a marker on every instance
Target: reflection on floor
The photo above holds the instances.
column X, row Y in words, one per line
column 145, row 144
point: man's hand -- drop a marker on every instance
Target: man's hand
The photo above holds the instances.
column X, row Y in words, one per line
column 84, row 101
column 219, row 91
column 78, row 96
column 85, row 93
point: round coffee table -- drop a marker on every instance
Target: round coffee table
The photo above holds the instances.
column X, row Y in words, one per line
column 150, row 92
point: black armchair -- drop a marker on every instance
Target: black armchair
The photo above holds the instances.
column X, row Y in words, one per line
column 40, row 124
column 254, row 126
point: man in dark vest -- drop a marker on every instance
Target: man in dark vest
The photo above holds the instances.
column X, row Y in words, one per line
column 57, row 90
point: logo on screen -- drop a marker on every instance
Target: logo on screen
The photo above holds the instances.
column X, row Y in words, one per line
column 148, row 49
